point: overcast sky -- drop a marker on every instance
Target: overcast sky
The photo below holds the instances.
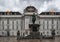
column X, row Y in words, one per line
column 20, row 5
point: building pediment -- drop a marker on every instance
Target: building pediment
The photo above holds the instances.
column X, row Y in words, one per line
column 30, row 9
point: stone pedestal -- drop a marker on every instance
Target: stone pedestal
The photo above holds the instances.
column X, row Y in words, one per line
column 34, row 33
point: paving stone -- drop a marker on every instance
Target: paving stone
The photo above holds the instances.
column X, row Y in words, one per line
column 13, row 39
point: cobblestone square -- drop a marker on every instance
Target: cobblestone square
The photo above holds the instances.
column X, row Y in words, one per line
column 13, row 39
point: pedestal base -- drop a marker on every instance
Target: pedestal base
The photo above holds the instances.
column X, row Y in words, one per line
column 35, row 35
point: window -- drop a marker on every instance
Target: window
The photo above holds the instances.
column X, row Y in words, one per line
column 52, row 23
column 44, row 32
column 2, row 33
column 13, row 25
column 30, row 19
column 17, row 25
column 47, row 25
column 57, row 32
column 3, row 25
column 47, row 32
column 43, row 25
column 8, row 23
column 13, row 33
column 57, row 24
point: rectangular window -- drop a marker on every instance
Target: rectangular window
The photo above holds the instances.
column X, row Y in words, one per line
column 39, row 24
column 0, row 24
column 43, row 32
column 57, row 32
column 57, row 24
column 13, row 25
column 30, row 19
column 47, row 25
column 43, row 25
column 50, row 24
column 3, row 25
column 17, row 25
column 8, row 23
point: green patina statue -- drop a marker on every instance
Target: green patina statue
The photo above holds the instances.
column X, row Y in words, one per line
column 33, row 18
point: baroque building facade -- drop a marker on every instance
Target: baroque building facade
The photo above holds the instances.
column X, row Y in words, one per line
column 14, row 21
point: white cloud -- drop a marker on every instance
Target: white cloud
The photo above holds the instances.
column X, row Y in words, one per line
column 57, row 3
column 20, row 5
